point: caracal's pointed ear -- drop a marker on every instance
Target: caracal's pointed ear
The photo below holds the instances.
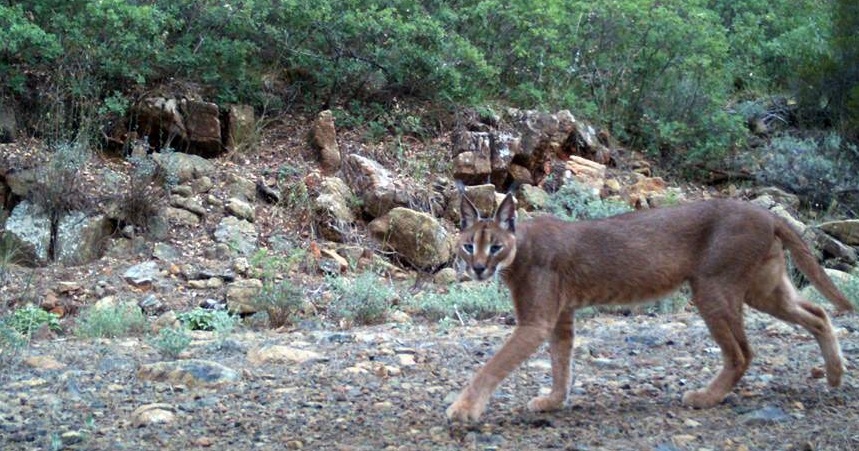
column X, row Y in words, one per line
column 468, row 212
column 505, row 215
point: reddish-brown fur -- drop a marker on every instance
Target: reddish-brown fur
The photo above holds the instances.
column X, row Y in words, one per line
column 729, row 252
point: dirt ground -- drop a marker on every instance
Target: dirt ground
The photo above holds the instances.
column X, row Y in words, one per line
column 386, row 387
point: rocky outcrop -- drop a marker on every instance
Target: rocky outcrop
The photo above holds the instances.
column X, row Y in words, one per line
column 846, row 231
column 331, row 209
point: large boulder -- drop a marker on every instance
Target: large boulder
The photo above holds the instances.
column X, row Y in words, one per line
column 189, row 125
column 482, row 196
column 241, row 124
column 81, row 238
column 29, row 230
column 417, row 237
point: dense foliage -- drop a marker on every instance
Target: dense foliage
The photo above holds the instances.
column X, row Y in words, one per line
column 663, row 75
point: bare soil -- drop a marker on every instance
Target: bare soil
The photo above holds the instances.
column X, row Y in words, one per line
column 386, row 387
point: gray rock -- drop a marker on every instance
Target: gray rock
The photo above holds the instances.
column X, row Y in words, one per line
column 241, row 187
column 332, row 214
column 374, row 184
column 179, row 216
column 240, row 209
column 182, row 167
column 191, row 373
column 29, row 229
column 418, row 237
column 81, row 238
column 531, row 197
column 189, row 204
column 165, row 252
column 142, row 274
column 237, row 233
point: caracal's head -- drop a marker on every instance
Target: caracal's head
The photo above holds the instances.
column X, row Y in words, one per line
column 487, row 245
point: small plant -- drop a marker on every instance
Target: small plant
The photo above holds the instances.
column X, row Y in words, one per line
column 30, row 318
column 11, row 343
column 573, row 201
column 140, row 197
column 282, row 302
column 9, row 253
column 463, row 302
column 219, row 321
column 171, row 342
column 123, row 318
column 362, row 300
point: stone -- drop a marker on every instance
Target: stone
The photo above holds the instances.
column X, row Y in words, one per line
column 29, row 231
column 239, row 234
column 179, row 216
column 43, row 362
column 332, row 213
column 242, row 296
column 445, row 276
column 472, row 162
column 240, row 209
column 150, row 414
column 586, row 172
column 418, row 237
column 189, row 204
column 81, row 238
column 323, row 137
column 282, row 354
column 191, row 373
column 142, row 274
column 182, row 167
column 374, row 184
column 846, row 231
column 241, row 188
column 764, row 416
column 241, row 126
column 203, row 125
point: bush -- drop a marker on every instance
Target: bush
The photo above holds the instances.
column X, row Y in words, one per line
column 362, row 300
column 462, row 302
column 219, row 321
column 171, row 342
column 121, row 319
column 815, row 169
column 574, row 201
column 282, row 301
column 139, row 198
column 30, row 318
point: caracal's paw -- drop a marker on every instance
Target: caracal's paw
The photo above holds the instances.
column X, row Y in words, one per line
column 464, row 410
column 834, row 374
column 545, row 403
column 701, row 399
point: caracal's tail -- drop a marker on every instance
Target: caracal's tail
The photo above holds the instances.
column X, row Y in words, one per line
column 805, row 260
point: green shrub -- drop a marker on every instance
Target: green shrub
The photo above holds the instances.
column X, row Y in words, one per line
column 30, row 318
column 574, row 201
column 463, row 301
column 121, row 319
column 171, row 342
column 219, row 321
column 815, row 169
column 362, row 300
column 12, row 343
column 282, row 301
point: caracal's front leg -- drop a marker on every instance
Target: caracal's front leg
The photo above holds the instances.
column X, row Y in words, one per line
column 471, row 403
column 561, row 350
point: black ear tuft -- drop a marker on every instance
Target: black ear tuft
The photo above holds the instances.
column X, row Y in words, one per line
column 468, row 212
column 505, row 215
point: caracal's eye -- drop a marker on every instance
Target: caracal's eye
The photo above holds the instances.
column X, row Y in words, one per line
column 495, row 248
column 468, row 248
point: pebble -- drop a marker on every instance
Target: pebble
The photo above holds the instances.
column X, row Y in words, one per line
column 283, row 354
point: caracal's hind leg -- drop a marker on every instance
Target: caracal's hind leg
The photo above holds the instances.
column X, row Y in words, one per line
column 722, row 312
column 783, row 302
column 561, row 350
